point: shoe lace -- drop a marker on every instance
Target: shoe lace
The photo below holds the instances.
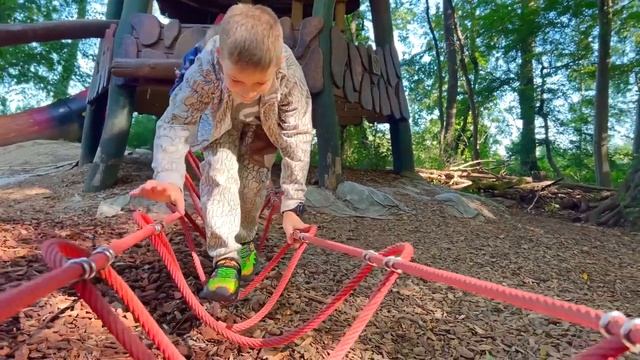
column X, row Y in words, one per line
column 246, row 251
column 226, row 273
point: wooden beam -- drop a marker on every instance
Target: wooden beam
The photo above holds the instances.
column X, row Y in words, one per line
column 297, row 7
column 324, row 107
column 15, row 34
column 155, row 69
column 113, row 142
column 341, row 9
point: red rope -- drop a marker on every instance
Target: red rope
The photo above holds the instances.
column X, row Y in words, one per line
column 55, row 254
column 17, row 298
column 274, row 204
column 607, row 349
column 577, row 314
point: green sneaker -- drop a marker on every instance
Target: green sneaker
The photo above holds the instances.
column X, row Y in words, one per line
column 224, row 283
column 248, row 259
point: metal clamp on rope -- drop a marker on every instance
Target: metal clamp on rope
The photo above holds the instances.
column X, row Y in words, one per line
column 389, row 263
column 88, row 266
column 106, row 250
column 300, row 236
column 366, row 256
column 624, row 335
column 159, row 227
column 606, row 319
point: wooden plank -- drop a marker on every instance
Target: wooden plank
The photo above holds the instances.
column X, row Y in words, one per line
column 391, row 72
column 287, row 32
column 170, row 32
column 349, row 91
column 187, row 40
column 312, row 69
column 376, row 95
column 102, row 65
column 366, row 99
column 156, row 69
column 15, row 34
column 402, row 97
column 147, row 27
column 147, row 53
column 105, row 63
column 339, row 55
column 383, row 66
column 355, row 63
column 394, row 102
column 396, row 61
column 364, row 56
column 350, row 120
column 374, row 62
column 309, row 30
column 385, row 106
column 129, row 47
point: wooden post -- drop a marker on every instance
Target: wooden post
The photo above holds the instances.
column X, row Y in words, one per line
column 95, row 113
column 341, row 10
column 324, row 107
column 113, row 142
column 401, row 146
column 297, row 7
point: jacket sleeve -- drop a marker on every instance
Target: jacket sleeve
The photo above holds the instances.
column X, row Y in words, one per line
column 199, row 88
column 294, row 109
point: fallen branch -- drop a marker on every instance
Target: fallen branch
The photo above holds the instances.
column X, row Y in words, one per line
column 541, row 190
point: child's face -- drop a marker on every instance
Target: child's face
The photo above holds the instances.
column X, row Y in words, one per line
column 246, row 84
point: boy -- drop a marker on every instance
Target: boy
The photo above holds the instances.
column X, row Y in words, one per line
column 247, row 85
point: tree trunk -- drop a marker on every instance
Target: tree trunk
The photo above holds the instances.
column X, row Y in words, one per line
column 601, row 123
column 542, row 112
column 636, row 135
column 61, row 89
column 439, row 70
column 475, row 131
column 452, row 81
column 623, row 209
column 462, row 142
column 526, row 91
column 468, row 87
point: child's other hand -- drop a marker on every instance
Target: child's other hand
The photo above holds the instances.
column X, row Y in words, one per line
column 162, row 192
column 290, row 223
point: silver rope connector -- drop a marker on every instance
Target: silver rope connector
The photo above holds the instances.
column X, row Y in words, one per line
column 389, row 263
column 366, row 256
column 105, row 250
column 624, row 335
column 606, row 319
column 88, row 266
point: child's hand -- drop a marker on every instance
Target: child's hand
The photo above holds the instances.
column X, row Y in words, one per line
column 290, row 223
column 162, row 192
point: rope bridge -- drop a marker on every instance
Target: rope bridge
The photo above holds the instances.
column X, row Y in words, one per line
column 76, row 266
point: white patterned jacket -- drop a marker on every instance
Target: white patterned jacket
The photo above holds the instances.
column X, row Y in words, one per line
column 285, row 115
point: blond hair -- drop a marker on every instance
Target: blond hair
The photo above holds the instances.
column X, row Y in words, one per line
column 251, row 36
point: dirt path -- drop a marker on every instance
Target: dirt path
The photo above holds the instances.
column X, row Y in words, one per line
column 582, row 264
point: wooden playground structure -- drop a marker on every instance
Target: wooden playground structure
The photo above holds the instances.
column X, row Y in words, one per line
column 138, row 56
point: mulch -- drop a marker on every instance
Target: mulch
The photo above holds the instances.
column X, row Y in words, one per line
column 418, row 320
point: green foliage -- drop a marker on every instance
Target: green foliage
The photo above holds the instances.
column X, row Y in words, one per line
column 366, row 147
column 564, row 55
column 39, row 73
column 143, row 130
